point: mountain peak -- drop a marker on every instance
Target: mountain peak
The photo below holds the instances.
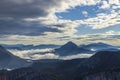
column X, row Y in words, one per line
column 68, row 48
column 70, row 44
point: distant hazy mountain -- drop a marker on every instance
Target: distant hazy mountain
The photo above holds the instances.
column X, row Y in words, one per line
column 27, row 47
column 7, row 60
column 70, row 48
column 17, row 46
column 69, row 45
column 98, row 46
column 111, row 49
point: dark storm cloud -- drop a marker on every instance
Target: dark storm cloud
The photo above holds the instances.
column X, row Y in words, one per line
column 12, row 13
column 26, row 8
column 22, row 28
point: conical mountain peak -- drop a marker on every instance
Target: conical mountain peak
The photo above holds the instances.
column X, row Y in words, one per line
column 70, row 44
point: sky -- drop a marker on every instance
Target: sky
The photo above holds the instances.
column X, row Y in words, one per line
column 59, row 21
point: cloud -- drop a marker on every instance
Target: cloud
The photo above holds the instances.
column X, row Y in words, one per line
column 85, row 13
column 21, row 19
column 64, row 27
column 110, row 4
column 45, row 54
column 17, row 16
column 76, row 56
column 111, row 32
column 104, row 36
column 14, row 12
column 26, row 8
column 24, row 28
column 105, row 5
column 27, row 54
column 116, row 2
column 54, row 56
column 38, row 8
column 103, row 20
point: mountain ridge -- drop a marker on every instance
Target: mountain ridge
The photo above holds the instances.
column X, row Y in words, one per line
column 10, row 61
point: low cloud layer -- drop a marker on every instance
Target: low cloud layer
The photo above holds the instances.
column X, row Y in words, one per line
column 76, row 56
column 28, row 54
column 45, row 54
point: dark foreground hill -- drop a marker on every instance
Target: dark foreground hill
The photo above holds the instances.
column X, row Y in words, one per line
column 100, row 62
column 104, row 65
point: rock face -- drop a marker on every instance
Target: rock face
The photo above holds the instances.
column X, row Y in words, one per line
column 9, row 61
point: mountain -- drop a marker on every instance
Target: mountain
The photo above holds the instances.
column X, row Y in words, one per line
column 98, row 46
column 44, row 70
column 43, row 46
column 55, row 63
column 60, row 69
column 111, row 49
column 103, row 65
column 17, row 46
column 8, row 60
column 70, row 48
column 28, row 47
column 102, row 60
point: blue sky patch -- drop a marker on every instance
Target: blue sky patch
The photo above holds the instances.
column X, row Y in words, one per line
column 78, row 12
